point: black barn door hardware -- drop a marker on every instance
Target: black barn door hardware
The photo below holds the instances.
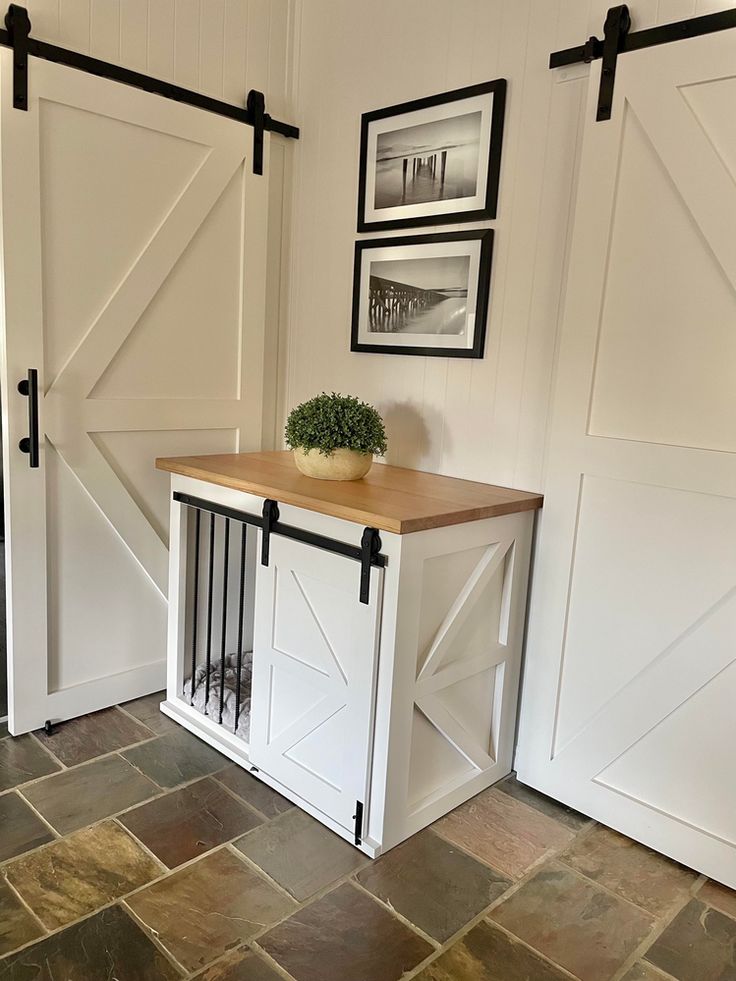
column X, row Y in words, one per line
column 270, row 517
column 368, row 553
column 19, row 27
column 17, row 37
column 29, row 444
column 370, row 545
column 618, row 40
column 358, row 818
column 615, row 29
column 256, row 106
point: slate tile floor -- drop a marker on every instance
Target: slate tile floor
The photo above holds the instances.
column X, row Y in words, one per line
column 130, row 850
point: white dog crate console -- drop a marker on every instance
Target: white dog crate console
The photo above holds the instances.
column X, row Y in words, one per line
column 355, row 645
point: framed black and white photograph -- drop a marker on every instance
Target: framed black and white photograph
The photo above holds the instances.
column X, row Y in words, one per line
column 432, row 161
column 422, row 294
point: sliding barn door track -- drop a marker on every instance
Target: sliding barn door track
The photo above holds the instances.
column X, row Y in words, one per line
column 617, row 40
column 18, row 37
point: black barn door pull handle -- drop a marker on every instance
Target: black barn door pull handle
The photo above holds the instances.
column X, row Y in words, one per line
column 29, row 444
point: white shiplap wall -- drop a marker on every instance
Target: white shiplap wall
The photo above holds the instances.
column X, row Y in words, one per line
column 483, row 420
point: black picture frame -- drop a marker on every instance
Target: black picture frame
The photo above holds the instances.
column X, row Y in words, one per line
column 482, row 292
column 496, row 87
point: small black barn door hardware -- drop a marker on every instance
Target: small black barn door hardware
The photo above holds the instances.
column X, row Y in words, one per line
column 270, row 517
column 619, row 40
column 368, row 553
column 29, row 444
column 370, row 545
column 256, row 106
column 358, row 818
column 19, row 27
column 17, row 36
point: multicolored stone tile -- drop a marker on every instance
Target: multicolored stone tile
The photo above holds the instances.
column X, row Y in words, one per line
column 638, row 874
column 503, row 831
column 147, row 711
column 20, row 829
column 189, row 822
column 21, row 760
column 82, row 739
column 699, row 945
column 574, row 922
column 175, row 758
column 17, row 926
column 254, row 792
column 721, row 897
column 486, row 953
column 79, row 797
column 75, row 876
column 300, row 853
column 345, row 935
column 106, row 946
column 203, row 910
column 240, row 965
column 540, row 802
column 433, row 884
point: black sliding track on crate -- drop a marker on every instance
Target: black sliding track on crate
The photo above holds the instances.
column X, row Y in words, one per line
column 368, row 553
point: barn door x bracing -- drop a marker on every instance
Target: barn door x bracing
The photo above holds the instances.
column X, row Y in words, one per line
column 630, row 679
column 133, row 249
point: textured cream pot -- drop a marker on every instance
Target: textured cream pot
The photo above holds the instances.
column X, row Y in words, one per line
column 341, row 464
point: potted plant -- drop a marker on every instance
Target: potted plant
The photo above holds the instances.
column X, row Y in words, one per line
column 335, row 436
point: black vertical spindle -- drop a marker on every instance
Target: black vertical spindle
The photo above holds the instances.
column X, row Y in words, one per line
column 197, row 521
column 241, row 610
column 223, row 634
column 209, row 613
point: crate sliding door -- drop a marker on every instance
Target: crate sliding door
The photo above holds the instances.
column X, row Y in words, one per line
column 314, row 676
column 133, row 251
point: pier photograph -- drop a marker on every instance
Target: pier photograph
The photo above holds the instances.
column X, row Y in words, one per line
column 422, row 294
column 432, row 161
column 419, row 296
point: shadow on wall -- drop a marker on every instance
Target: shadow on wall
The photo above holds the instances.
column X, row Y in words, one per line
column 410, row 435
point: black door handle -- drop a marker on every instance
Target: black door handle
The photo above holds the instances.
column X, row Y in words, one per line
column 29, row 444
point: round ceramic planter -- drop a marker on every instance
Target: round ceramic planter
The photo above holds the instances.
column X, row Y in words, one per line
column 341, row 464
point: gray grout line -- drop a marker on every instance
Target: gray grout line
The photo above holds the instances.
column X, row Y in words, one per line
column 52, row 829
column 29, row 909
column 45, row 748
column 154, row 938
column 395, row 913
column 273, row 964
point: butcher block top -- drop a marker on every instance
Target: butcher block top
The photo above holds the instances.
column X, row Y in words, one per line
column 389, row 498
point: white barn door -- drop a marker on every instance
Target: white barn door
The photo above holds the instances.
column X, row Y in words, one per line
column 134, row 240
column 630, row 679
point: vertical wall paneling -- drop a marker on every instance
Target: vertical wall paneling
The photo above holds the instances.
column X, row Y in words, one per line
column 161, row 18
column 134, row 33
column 104, row 30
column 186, row 43
column 74, row 22
column 211, row 46
column 235, row 41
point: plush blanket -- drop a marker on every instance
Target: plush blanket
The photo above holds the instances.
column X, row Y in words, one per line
column 229, row 682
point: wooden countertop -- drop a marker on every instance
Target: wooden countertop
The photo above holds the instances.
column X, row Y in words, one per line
column 389, row 498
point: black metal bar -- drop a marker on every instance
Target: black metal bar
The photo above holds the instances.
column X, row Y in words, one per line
column 157, row 86
column 210, row 583
column 270, row 517
column 256, row 105
column 358, row 818
column 29, row 444
column 241, row 614
column 370, row 545
column 651, row 37
column 223, row 632
column 286, row 531
column 615, row 30
column 19, row 28
column 195, row 619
